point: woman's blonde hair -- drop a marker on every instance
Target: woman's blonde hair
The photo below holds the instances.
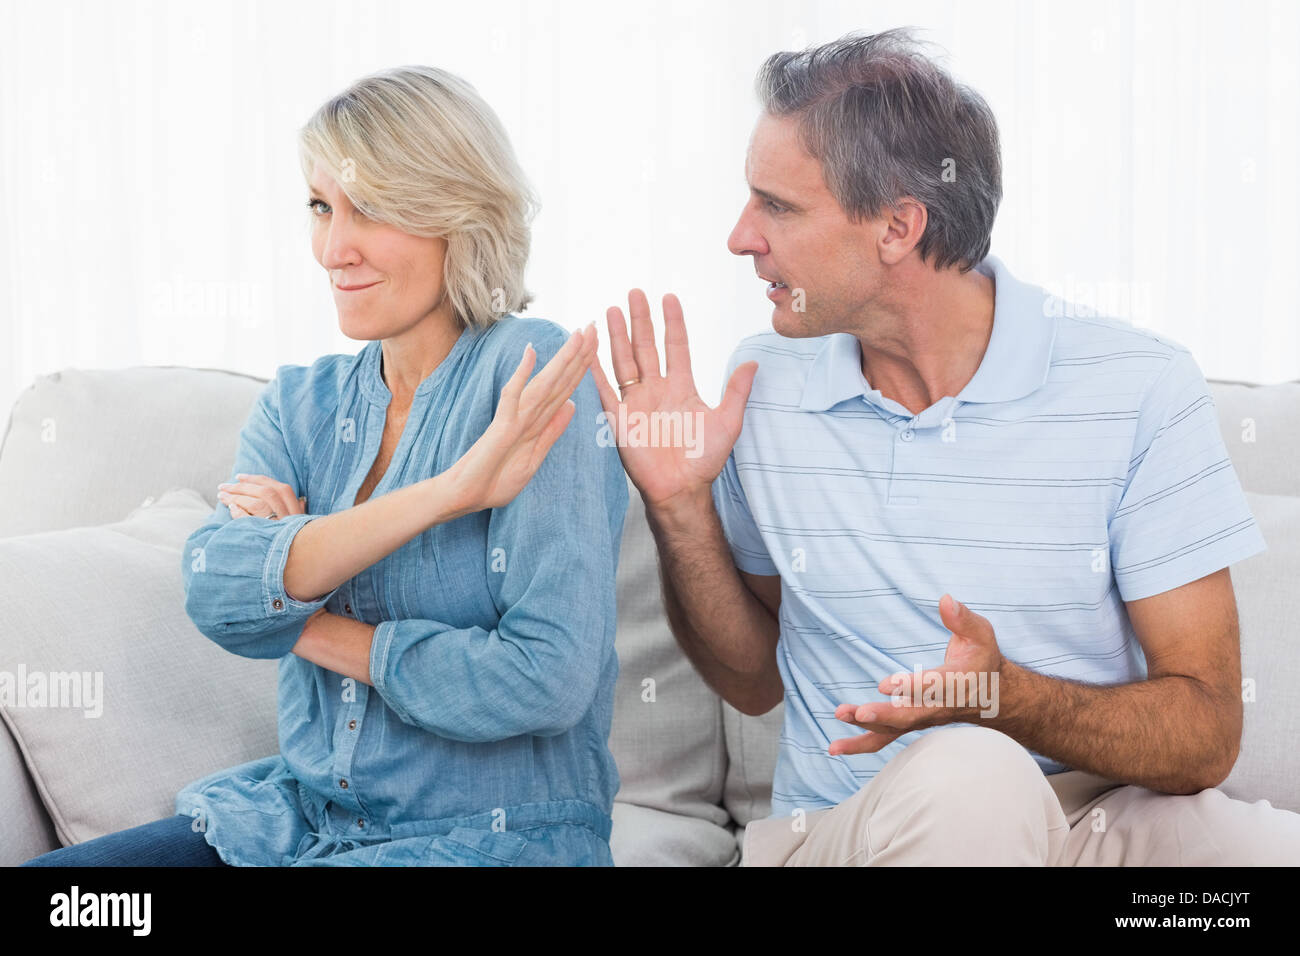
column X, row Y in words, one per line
column 416, row 147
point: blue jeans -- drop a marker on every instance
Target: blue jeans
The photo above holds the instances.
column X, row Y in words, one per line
column 170, row 841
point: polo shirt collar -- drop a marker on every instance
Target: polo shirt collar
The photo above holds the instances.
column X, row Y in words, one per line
column 1016, row 361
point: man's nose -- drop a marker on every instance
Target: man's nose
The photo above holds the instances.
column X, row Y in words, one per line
column 745, row 240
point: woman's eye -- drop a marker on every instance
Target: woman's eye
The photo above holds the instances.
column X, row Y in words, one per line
column 313, row 203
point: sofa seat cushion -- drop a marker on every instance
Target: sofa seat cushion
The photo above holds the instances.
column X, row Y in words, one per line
column 159, row 704
column 643, row 836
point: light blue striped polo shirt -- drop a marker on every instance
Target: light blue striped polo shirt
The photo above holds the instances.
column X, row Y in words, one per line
column 1081, row 467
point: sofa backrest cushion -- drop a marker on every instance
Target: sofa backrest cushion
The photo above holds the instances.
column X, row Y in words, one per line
column 84, row 447
column 1268, row 607
column 667, row 731
column 1261, row 429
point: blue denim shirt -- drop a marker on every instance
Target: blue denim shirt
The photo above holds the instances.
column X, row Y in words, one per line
column 484, row 739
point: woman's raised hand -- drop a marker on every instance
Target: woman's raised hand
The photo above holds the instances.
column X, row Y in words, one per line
column 530, row 417
column 672, row 443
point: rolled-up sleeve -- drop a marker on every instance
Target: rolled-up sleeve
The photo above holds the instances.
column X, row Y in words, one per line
column 233, row 568
column 551, row 560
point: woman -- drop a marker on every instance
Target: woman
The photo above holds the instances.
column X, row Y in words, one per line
column 427, row 543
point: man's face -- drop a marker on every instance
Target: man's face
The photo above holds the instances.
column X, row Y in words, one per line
column 800, row 237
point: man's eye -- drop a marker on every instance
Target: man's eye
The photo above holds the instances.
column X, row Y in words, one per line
column 775, row 207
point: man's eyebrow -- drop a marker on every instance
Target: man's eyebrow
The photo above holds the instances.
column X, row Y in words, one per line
column 772, row 197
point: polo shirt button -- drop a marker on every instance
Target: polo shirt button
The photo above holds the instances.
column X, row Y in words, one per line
column 907, row 435
column 277, row 604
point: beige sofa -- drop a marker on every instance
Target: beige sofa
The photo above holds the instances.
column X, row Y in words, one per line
column 103, row 474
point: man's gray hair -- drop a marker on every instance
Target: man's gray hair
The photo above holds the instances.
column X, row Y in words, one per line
column 886, row 121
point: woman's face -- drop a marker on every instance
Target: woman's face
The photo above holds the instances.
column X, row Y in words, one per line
column 401, row 274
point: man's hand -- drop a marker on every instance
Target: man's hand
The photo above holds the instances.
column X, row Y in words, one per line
column 974, row 661
column 660, row 472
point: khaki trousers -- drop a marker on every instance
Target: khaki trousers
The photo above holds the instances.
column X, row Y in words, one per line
column 970, row 795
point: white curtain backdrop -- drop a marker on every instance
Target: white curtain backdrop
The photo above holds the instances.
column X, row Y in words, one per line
column 152, row 211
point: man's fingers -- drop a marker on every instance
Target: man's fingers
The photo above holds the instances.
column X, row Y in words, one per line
column 868, row 743
column 620, row 346
column 643, row 337
column 901, row 686
column 879, row 716
column 736, row 395
column 677, row 352
column 609, row 399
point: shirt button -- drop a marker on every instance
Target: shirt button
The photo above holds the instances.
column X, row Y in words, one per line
column 361, row 824
column 347, row 608
column 277, row 604
column 907, row 435
column 343, row 784
column 352, row 725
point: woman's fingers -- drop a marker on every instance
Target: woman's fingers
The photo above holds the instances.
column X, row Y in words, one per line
column 554, row 429
column 514, row 387
column 277, row 495
column 577, row 365
column 543, row 396
column 573, row 375
column 261, row 495
column 251, row 504
column 570, row 356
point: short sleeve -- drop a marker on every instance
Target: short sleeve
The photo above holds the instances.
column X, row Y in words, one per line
column 1183, row 514
column 743, row 537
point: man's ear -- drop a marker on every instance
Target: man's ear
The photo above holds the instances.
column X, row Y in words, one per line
column 901, row 228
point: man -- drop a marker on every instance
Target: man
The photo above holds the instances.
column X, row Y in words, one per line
column 922, row 427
